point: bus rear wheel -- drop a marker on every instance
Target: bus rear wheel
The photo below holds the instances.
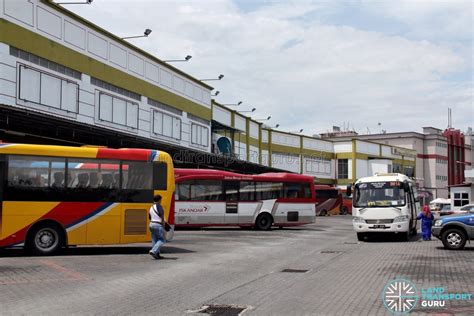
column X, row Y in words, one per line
column 263, row 222
column 344, row 210
column 44, row 239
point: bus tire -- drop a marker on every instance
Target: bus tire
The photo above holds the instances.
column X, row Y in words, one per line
column 45, row 239
column 453, row 239
column 361, row 236
column 344, row 210
column 264, row 221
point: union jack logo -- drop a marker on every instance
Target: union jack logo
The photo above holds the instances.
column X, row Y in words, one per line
column 400, row 296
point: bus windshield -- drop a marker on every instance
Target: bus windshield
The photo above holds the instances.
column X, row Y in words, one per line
column 378, row 194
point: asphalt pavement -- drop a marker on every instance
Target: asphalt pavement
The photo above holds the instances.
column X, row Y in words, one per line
column 318, row 269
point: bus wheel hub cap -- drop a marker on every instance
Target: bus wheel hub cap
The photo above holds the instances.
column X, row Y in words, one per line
column 45, row 239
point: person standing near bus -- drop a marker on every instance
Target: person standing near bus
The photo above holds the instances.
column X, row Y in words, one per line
column 426, row 222
column 157, row 227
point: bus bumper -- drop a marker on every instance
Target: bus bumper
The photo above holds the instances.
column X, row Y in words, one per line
column 399, row 227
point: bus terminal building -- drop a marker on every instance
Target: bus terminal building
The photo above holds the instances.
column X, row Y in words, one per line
column 64, row 80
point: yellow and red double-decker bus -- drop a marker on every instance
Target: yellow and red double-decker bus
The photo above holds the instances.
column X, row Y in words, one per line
column 55, row 196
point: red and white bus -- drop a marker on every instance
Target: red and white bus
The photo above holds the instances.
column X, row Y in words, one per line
column 220, row 198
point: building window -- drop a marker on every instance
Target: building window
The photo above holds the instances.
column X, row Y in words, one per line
column 44, row 63
column 409, row 171
column 343, row 169
column 461, row 198
column 166, row 125
column 441, row 145
column 318, row 165
column 48, row 90
column 396, row 168
column 199, row 135
column 240, row 149
column 118, row 111
column 442, row 178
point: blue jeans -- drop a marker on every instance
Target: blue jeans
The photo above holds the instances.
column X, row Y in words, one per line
column 157, row 237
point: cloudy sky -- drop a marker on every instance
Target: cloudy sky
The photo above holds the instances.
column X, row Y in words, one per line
column 367, row 65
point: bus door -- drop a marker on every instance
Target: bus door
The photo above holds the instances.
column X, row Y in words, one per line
column 2, row 176
column 412, row 207
column 231, row 194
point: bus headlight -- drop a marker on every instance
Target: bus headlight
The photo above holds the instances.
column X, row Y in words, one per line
column 358, row 219
column 438, row 222
column 403, row 218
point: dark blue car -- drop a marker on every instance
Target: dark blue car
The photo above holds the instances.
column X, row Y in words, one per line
column 455, row 230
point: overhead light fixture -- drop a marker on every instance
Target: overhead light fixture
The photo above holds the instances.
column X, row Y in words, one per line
column 85, row 2
column 216, row 94
column 233, row 104
column 145, row 34
column 266, row 119
column 297, row 132
column 214, row 79
column 253, row 110
column 187, row 58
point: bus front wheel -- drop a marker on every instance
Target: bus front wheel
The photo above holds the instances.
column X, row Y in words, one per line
column 264, row 222
column 44, row 239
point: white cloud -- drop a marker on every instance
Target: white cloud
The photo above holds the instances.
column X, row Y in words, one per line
column 310, row 75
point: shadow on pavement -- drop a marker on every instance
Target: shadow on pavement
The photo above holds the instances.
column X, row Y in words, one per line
column 385, row 237
column 97, row 251
column 466, row 248
column 245, row 228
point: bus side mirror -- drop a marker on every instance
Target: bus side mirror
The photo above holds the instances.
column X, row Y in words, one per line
column 349, row 190
column 406, row 187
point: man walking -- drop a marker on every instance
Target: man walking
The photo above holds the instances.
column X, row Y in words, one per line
column 157, row 224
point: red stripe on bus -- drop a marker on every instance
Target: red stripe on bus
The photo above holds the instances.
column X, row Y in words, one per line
column 125, row 154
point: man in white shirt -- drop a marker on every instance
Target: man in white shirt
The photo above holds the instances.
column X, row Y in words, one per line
column 157, row 224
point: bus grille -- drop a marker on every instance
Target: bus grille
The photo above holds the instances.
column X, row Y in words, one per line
column 135, row 222
column 379, row 221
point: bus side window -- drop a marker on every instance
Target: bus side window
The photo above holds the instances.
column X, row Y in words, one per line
column 231, row 191
column 33, row 172
column 160, row 176
column 307, row 194
column 268, row 190
column 206, row 190
column 107, row 181
column 183, row 191
column 247, row 191
column 292, row 190
column 137, row 175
